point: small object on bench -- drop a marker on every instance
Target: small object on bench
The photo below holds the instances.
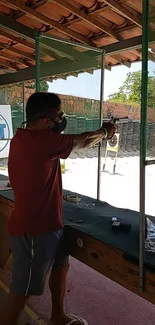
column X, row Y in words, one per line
column 113, row 219
column 118, row 226
column 80, row 221
column 72, row 198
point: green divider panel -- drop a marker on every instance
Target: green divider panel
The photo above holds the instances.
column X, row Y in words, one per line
column 71, row 127
column 96, row 123
column 89, row 124
column 81, row 124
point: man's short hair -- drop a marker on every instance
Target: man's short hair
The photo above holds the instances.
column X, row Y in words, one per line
column 41, row 104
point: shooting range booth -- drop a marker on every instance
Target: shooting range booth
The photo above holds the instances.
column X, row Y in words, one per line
column 45, row 47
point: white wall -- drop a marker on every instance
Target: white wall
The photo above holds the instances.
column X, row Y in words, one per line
column 5, row 130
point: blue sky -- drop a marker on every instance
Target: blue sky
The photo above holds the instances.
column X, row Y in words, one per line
column 87, row 85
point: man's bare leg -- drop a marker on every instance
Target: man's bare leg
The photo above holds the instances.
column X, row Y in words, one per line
column 57, row 284
column 11, row 309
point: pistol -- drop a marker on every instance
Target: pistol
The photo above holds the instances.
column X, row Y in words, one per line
column 116, row 120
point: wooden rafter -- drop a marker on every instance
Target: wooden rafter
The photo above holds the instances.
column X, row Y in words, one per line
column 15, row 59
column 28, row 44
column 4, row 70
column 107, row 67
column 8, row 65
column 64, row 66
column 18, row 14
column 17, row 39
column 14, row 50
column 28, row 33
column 151, row 56
column 136, row 52
column 100, row 8
column 46, row 20
column 152, row 3
column 91, row 20
column 123, row 11
column 118, row 58
column 119, row 30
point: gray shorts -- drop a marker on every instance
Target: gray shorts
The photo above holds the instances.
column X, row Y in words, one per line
column 33, row 259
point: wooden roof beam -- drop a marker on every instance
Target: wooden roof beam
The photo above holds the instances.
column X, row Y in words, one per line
column 123, row 12
column 46, row 20
column 14, row 50
column 151, row 56
column 3, row 70
column 49, row 69
column 90, row 71
column 23, row 31
column 91, row 20
column 19, row 14
column 16, row 39
column 121, row 60
column 107, row 67
column 15, row 59
column 28, row 44
column 8, row 65
column 100, row 8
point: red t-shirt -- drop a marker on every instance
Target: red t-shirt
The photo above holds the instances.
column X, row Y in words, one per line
column 35, row 176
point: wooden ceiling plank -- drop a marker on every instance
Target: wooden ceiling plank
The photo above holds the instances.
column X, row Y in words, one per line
column 151, row 57
column 122, row 61
column 7, row 65
column 123, row 11
column 12, row 49
column 16, row 39
column 108, row 67
column 19, row 14
column 28, row 44
column 15, row 59
column 46, row 20
column 50, row 69
column 100, row 8
column 91, row 20
column 28, row 33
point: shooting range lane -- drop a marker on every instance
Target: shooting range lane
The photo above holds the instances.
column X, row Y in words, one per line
column 90, row 238
column 95, row 219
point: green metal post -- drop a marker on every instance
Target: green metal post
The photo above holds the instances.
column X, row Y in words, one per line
column 143, row 142
column 100, row 117
column 37, row 54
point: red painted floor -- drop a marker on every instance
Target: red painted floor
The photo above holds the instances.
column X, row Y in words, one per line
column 97, row 299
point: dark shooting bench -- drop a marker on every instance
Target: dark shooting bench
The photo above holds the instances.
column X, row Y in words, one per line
column 92, row 241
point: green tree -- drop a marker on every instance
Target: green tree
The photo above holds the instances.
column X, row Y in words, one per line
column 130, row 91
column 43, row 85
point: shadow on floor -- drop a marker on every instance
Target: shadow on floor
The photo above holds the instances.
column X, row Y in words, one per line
column 25, row 319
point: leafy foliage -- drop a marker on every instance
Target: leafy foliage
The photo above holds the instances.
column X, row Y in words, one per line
column 130, row 91
column 43, row 86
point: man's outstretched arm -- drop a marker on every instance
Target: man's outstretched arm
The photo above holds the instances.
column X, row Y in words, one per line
column 88, row 139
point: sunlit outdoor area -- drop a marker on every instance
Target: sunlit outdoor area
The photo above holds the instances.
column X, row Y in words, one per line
column 88, row 68
column 119, row 156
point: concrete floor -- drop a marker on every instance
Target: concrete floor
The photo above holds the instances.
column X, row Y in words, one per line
column 94, row 297
column 25, row 319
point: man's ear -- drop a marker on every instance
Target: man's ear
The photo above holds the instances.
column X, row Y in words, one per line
column 49, row 123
